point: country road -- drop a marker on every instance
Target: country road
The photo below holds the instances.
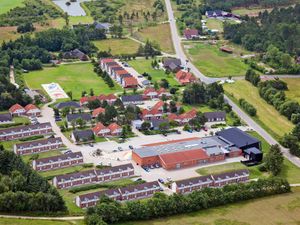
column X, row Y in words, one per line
column 181, row 54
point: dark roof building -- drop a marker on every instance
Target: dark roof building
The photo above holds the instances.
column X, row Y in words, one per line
column 70, row 104
column 132, row 99
column 239, row 138
column 83, row 135
column 253, row 154
column 75, row 54
column 156, row 122
column 84, row 116
column 5, row 118
column 215, row 116
column 172, row 64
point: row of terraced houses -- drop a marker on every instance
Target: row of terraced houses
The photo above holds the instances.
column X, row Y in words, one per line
column 133, row 192
column 118, row 73
column 93, row 176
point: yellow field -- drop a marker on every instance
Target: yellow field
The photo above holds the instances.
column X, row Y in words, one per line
column 294, row 88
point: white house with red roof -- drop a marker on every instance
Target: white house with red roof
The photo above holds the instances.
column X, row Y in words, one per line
column 151, row 93
column 98, row 111
column 101, row 130
column 32, row 110
column 130, row 82
column 183, row 118
column 17, row 110
column 111, row 98
column 115, row 129
column 185, row 77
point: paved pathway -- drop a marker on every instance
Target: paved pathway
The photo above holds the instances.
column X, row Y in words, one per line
column 181, row 54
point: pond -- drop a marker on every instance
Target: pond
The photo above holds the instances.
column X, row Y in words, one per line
column 74, row 9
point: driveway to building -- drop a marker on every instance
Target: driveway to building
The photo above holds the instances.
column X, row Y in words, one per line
column 181, row 54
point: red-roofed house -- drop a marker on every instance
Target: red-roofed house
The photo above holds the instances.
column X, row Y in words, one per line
column 162, row 92
column 183, row 118
column 111, row 98
column 98, row 111
column 130, row 82
column 151, row 93
column 101, row 130
column 86, row 99
column 115, row 129
column 17, row 110
column 191, row 33
column 120, row 74
column 32, row 110
column 184, row 77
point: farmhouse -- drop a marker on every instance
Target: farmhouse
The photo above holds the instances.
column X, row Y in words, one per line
column 5, row 118
column 32, row 147
column 25, row 131
column 57, row 162
column 133, row 192
column 185, row 77
column 17, row 110
column 93, row 176
column 80, row 136
column 218, row 180
column 191, row 34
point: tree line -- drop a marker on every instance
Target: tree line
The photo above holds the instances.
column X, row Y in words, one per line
column 23, row 190
column 108, row 211
column 250, row 109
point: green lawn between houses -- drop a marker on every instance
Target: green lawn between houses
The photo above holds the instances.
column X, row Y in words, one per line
column 144, row 65
column 6, row 5
column 76, row 77
column 214, row 63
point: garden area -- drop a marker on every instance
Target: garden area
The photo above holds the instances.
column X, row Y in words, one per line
column 214, row 63
column 76, row 77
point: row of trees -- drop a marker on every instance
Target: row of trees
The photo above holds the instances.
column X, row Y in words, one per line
column 109, row 211
column 252, row 77
column 22, row 189
column 250, row 109
column 292, row 141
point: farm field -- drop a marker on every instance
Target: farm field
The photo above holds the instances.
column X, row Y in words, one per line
column 118, row 46
column 294, row 88
column 160, row 34
column 75, row 77
column 6, row 5
column 278, row 209
column 267, row 116
column 214, row 63
column 144, row 65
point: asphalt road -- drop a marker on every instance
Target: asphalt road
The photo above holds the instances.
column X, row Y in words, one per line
column 181, row 54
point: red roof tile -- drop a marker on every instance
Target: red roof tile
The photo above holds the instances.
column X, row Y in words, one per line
column 113, row 127
column 15, row 107
column 98, row 111
column 99, row 126
column 130, row 81
column 30, row 107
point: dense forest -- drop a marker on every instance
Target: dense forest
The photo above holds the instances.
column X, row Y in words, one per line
column 24, row 190
column 32, row 11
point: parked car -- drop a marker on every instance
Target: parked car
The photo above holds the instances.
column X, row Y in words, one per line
column 68, row 152
column 130, row 146
column 165, row 134
column 120, row 148
column 115, row 150
column 152, row 167
column 178, row 132
column 91, row 145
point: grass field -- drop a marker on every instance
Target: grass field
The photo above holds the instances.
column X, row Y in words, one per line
column 6, row 5
column 118, row 46
column 294, row 88
column 4, row 221
column 159, row 34
column 27, row 158
column 278, row 209
column 267, row 116
column 72, row 77
column 214, row 24
column 214, row 63
column 71, row 169
column 144, row 65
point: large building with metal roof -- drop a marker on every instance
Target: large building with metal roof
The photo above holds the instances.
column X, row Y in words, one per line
column 185, row 152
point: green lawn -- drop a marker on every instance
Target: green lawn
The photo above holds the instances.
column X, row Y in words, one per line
column 28, row 158
column 160, row 34
column 71, row 169
column 75, row 77
column 118, row 46
column 277, row 209
column 144, row 65
column 4, row 221
column 214, row 24
column 294, row 87
column 214, row 63
column 267, row 116
column 6, row 5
